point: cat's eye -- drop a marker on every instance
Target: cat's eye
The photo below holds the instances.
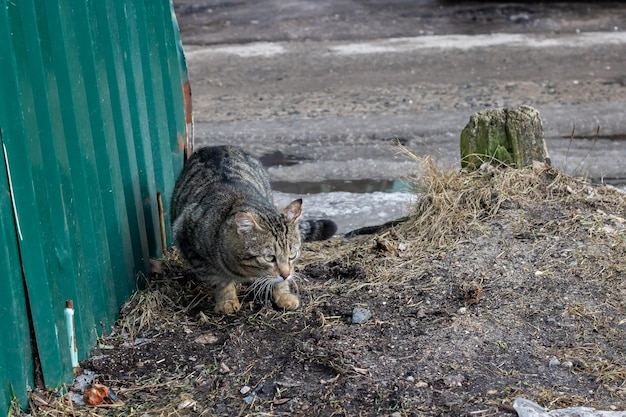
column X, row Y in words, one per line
column 269, row 258
column 293, row 255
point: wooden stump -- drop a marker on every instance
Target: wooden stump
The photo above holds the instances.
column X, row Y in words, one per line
column 513, row 137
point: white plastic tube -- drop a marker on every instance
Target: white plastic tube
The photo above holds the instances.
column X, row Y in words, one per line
column 71, row 332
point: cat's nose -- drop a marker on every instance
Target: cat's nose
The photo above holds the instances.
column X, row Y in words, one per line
column 284, row 272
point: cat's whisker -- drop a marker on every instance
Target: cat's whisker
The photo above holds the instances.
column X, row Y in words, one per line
column 255, row 290
column 261, row 289
column 265, row 291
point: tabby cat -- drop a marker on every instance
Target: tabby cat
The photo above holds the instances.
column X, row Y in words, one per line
column 226, row 225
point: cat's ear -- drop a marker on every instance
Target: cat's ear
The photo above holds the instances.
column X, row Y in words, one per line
column 294, row 210
column 245, row 222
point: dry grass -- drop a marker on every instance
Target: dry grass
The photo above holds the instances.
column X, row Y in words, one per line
column 457, row 205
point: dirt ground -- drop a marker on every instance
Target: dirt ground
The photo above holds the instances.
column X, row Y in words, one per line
column 501, row 284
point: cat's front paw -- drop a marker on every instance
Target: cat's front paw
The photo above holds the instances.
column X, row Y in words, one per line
column 286, row 301
column 227, row 307
column 283, row 297
column 226, row 301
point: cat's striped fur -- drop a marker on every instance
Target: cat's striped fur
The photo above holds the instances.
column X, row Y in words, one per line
column 226, row 225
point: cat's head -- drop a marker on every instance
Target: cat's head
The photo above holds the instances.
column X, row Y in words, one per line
column 269, row 241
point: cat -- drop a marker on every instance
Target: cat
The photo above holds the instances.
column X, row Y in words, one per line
column 225, row 224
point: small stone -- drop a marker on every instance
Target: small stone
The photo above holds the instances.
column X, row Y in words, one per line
column 463, row 310
column 454, row 380
column 396, row 414
column 410, row 378
column 567, row 364
column 206, row 339
column 554, row 362
column 360, row 315
column 245, row 389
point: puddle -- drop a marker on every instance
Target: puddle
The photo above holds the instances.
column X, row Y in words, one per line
column 278, row 159
column 619, row 182
column 385, row 186
column 350, row 186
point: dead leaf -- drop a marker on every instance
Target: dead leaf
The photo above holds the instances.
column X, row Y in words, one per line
column 224, row 369
column 95, row 394
column 329, row 381
column 156, row 266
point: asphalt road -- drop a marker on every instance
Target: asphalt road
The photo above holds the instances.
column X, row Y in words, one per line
column 323, row 89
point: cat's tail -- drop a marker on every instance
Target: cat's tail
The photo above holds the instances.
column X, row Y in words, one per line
column 312, row 230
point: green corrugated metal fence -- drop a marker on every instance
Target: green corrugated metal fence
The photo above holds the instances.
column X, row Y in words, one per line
column 92, row 124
